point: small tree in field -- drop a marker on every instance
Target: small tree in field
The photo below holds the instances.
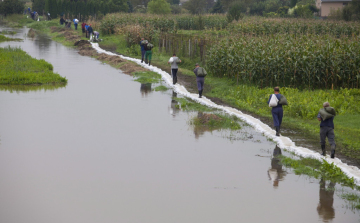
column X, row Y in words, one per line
column 159, row 7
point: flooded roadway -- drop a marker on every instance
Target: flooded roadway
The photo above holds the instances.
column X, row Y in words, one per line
column 107, row 149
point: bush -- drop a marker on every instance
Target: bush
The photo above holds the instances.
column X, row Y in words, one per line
column 236, row 11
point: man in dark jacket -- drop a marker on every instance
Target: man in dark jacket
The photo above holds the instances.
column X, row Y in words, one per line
column 90, row 31
column 326, row 118
column 277, row 111
column 200, row 78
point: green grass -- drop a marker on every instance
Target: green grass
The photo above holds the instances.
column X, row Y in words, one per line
column 4, row 39
column 216, row 121
column 353, row 198
column 190, row 105
column 161, row 88
column 317, row 169
column 147, row 77
column 17, row 67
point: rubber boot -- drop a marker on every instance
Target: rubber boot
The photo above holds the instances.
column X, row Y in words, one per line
column 199, row 94
column 277, row 128
column 149, row 62
column 323, row 150
column 332, row 152
column 141, row 61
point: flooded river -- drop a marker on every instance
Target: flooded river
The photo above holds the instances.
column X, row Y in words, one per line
column 107, row 149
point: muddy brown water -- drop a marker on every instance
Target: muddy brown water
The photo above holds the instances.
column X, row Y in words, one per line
column 108, row 149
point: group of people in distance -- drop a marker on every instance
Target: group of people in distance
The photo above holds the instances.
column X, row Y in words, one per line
column 200, row 72
column 86, row 28
column 325, row 116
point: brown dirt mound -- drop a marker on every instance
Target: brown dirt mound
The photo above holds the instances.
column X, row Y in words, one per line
column 206, row 118
column 112, row 59
column 81, row 43
column 57, row 29
column 87, row 51
column 31, row 33
column 130, row 67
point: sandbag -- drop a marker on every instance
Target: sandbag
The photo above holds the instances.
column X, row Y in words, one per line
column 327, row 113
column 283, row 100
column 273, row 101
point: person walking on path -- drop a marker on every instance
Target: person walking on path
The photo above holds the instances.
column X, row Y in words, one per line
column 326, row 117
column 83, row 27
column 200, row 74
column 86, row 31
column 148, row 54
column 142, row 45
column 276, row 101
column 174, row 60
column 90, row 31
column 76, row 21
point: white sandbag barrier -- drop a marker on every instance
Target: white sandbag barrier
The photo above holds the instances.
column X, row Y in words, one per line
column 282, row 142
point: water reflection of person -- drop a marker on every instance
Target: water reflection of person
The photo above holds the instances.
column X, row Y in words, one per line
column 276, row 173
column 199, row 130
column 326, row 200
column 174, row 106
column 145, row 89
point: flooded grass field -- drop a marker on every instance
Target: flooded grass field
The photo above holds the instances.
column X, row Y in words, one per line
column 107, row 148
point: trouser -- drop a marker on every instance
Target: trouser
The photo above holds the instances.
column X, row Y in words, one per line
column 174, row 74
column 200, row 83
column 277, row 114
column 148, row 56
column 86, row 34
column 142, row 55
column 329, row 133
column 75, row 26
column 83, row 30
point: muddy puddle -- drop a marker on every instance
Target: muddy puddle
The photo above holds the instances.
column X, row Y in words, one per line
column 106, row 148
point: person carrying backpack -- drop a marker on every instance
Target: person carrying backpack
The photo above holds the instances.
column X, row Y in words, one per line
column 148, row 53
column 142, row 45
column 276, row 101
column 200, row 74
column 174, row 60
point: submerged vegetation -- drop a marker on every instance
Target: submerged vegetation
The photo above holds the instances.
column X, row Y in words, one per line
column 18, row 68
column 4, row 38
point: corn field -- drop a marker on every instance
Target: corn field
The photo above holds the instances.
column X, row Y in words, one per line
column 296, row 27
column 171, row 23
column 306, row 62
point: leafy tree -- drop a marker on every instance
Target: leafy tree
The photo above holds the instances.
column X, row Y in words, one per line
column 195, row 6
column 257, row 8
column 236, row 11
column 11, row 7
column 218, row 7
column 38, row 5
column 174, row 2
column 159, row 7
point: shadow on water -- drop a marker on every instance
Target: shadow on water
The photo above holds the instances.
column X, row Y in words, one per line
column 174, row 105
column 276, row 172
column 325, row 207
column 145, row 89
column 28, row 88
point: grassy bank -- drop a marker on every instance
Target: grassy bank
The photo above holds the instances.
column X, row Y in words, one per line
column 18, row 68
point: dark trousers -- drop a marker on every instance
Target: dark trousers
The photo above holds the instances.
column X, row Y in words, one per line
column 200, row 83
column 174, row 74
column 75, row 26
column 142, row 55
column 329, row 133
column 83, row 30
column 277, row 114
